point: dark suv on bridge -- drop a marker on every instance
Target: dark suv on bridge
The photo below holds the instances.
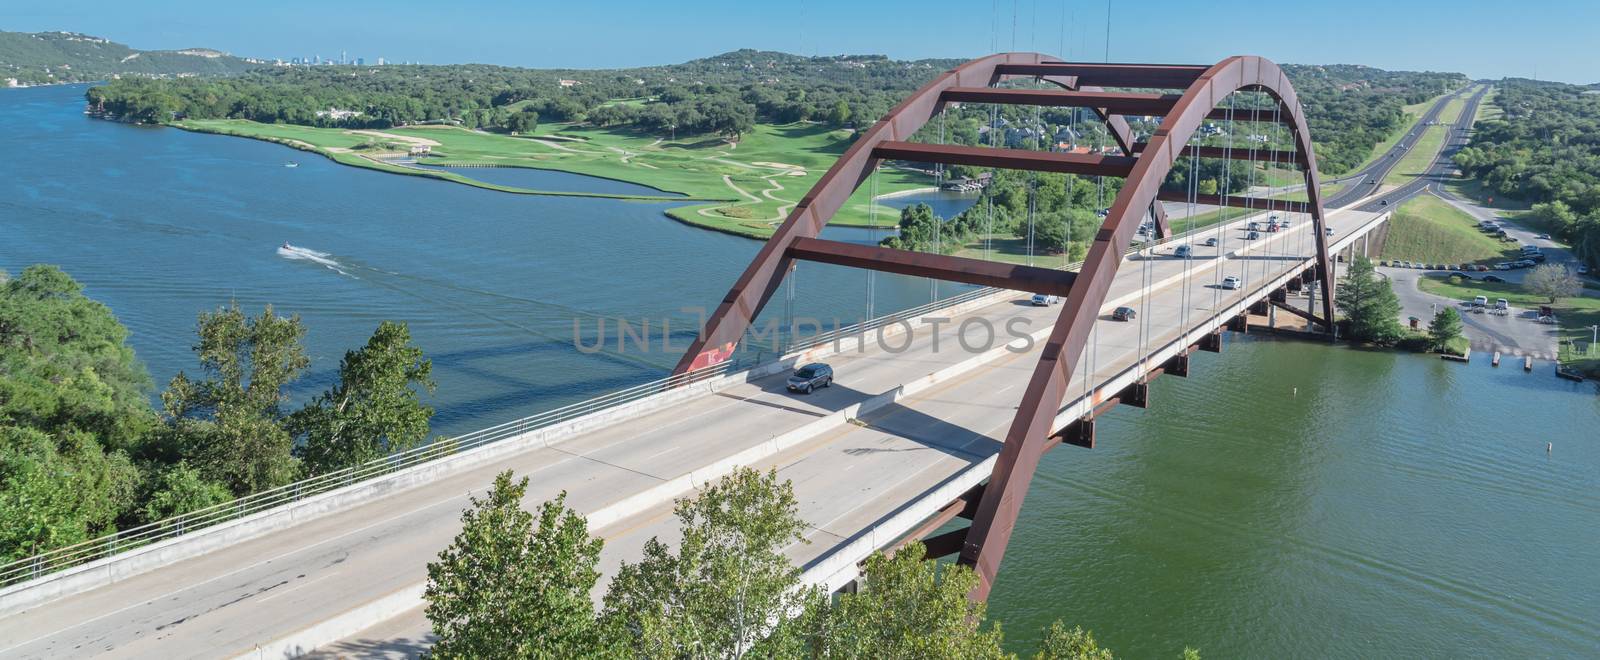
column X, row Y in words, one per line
column 810, row 377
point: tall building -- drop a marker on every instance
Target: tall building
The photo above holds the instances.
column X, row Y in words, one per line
column 381, row 62
column 361, row 61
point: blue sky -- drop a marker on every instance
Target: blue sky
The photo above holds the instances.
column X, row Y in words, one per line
column 1556, row 38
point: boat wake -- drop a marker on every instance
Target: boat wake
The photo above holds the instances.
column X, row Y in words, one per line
column 324, row 259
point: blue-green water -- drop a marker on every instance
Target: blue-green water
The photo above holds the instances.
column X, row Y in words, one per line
column 1394, row 506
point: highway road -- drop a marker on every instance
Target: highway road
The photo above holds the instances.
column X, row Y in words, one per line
column 1437, row 173
column 847, row 475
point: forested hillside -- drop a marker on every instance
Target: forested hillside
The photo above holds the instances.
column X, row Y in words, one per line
column 57, row 57
column 1544, row 148
column 1352, row 108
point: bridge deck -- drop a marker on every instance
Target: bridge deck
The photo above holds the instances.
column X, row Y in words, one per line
column 860, row 485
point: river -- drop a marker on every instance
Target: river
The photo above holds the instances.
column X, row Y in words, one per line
column 1289, row 499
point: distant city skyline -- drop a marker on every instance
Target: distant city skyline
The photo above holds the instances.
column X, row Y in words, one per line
column 1552, row 41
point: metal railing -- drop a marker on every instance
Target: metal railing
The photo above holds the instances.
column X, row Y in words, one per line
column 122, row 540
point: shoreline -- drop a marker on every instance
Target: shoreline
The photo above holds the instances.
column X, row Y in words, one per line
column 367, row 162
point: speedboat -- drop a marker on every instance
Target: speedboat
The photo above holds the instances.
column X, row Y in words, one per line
column 291, row 164
column 286, row 246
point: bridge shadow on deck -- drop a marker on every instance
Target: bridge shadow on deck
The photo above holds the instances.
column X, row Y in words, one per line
column 403, row 647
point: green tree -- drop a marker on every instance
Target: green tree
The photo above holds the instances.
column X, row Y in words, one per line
column 1444, row 328
column 908, row 607
column 180, row 489
column 66, row 363
column 840, row 115
column 510, row 588
column 1553, row 281
column 1075, row 644
column 57, row 491
column 230, row 424
column 727, row 582
column 374, row 409
column 1369, row 304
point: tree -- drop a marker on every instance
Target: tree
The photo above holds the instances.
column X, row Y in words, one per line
column 179, row 490
column 1075, row 644
column 507, row 588
column 57, row 491
column 840, row 115
column 66, row 362
column 908, row 607
column 230, row 424
column 1553, row 281
column 727, row 582
column 1445, row 328
column 374, row 410
column 1369, row 304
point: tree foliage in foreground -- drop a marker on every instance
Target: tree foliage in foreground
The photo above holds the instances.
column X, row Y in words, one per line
column 718, row 591
column 1369, row 304
column 511, row 586
column 908, row 607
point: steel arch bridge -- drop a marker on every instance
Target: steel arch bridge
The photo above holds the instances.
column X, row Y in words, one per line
column 1143, row 165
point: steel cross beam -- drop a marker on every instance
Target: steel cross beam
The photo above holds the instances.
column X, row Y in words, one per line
column 1121, row 103
column 1009, row 159
column 937, row 266
column 1030, row 431
column 1235, row 201
column 1167, row 76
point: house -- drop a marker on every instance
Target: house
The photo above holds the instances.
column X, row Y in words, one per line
column 420, row 150
column 569, row 83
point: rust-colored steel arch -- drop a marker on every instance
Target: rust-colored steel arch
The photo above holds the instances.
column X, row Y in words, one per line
column 1145, row 165
column 1030, row 430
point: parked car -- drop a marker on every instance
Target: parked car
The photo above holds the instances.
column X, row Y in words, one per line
column 1182, row 252
column 810, row 377
column 1124, row 314
column 1480, row 301
column 1457, row 273
column 1501, row 303
column 1502, row 266
column 1043, row 300
column 1211, row 242
column 1537, row 256
column 1494, row 278
column 1231, row 282
column 1583, row 270
column 1522, row 263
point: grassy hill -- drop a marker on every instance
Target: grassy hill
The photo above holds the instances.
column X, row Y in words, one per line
column 55, row 57
column 1430, row 230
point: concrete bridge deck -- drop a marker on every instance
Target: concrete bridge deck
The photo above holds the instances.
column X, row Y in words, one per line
column 927, row 424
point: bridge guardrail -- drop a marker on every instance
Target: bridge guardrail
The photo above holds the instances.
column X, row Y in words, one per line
column 66, row 557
